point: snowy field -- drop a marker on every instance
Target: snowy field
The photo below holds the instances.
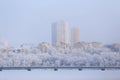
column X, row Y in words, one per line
column 60, row 75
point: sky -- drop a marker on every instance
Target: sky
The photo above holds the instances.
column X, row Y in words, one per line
column 29, row 21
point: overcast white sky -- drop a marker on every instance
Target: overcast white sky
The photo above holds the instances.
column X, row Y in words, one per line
column 29, row 21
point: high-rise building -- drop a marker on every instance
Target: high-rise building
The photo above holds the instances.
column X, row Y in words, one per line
column 75, row 36
column 60, row 34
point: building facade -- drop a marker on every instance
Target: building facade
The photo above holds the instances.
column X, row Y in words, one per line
column 60, row 34
column 75, row 36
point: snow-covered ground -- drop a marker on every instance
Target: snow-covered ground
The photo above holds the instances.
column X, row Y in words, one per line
column 60, row 75
column 44, row 55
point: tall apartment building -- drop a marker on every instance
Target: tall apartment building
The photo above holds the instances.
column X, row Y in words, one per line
column 60, row 34
column 75, row 36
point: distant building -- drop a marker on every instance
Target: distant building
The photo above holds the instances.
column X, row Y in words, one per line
column 116, row 44
column 75, row 36
column 44, row 47
column 4, row 43
column 87, row 45
column 60, row 34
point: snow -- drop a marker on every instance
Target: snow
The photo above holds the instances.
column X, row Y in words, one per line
column 44, row 55
column 60, row 75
